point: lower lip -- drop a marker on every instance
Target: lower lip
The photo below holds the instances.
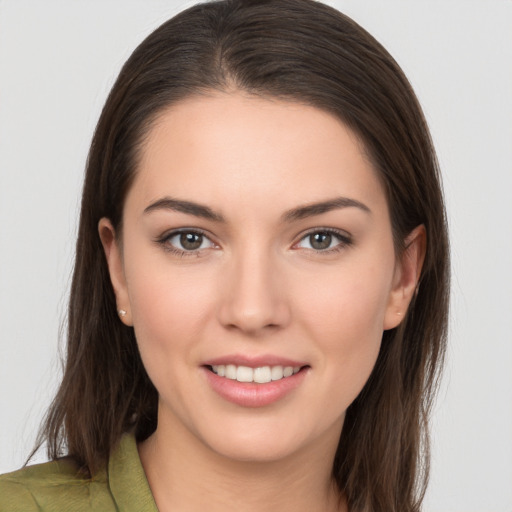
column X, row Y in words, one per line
column 250, row 394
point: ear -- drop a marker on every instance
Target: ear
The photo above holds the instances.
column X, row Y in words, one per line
column 113, row 253
column 406, row 278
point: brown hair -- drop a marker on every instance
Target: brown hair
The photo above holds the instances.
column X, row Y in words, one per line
column 300, row 50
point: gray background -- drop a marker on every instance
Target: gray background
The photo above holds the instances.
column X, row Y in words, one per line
column 57, row 62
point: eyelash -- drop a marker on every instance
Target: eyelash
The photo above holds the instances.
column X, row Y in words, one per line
column 165, row 239
column 343, row 238
column 344, row 241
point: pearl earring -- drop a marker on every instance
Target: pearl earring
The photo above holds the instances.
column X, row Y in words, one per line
column 121, row 312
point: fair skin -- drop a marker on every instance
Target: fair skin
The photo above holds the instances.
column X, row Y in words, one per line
column 249, row 276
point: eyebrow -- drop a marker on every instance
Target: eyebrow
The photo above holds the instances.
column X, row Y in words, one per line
column 188, row 207
column 311, row 210
column 302, row 212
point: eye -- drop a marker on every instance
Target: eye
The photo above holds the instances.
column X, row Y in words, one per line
column 187, row 241
column 324, row 240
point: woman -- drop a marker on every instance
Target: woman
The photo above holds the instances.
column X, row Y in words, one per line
column 258, row 309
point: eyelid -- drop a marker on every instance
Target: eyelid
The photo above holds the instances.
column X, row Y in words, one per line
column 345, row 239
column 163, row 240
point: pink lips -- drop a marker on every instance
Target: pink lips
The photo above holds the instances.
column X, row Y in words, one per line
column 250, row 394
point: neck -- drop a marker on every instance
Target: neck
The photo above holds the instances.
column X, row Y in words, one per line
column 187, row 475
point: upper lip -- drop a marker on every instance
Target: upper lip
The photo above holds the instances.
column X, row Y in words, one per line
column 254, row 361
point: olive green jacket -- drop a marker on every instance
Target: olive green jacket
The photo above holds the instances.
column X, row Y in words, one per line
column 55, row 486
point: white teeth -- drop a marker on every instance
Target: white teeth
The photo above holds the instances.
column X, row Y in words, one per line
column 231, row 371
column 244, row 374
column 260, row 375
column 276, row 372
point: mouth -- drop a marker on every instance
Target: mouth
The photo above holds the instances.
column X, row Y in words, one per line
column 258, row 375
column 258, row 385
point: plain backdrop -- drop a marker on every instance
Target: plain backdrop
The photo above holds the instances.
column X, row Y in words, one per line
column 58, row 60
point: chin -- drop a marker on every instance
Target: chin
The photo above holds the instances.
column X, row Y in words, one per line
column 256, row 449
column 266, row 440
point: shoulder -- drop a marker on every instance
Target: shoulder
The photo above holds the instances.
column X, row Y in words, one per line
column 53, row 486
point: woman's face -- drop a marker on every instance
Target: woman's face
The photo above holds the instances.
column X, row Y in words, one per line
column 256, row 243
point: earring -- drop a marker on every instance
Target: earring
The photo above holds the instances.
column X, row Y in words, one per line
column 121, row 312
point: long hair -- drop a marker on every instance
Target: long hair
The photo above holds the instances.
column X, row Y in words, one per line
column 298, row 50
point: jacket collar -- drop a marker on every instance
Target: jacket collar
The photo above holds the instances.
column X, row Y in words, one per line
column 127, row 480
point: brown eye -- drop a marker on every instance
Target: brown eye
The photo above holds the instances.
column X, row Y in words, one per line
column 191, row 241
column 187, row 241
column 320, row 241
column 325, row 241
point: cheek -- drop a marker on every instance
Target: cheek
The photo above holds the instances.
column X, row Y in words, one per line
column 170, row 306
column 345, row 316
column 348, row 304
column 170, row 311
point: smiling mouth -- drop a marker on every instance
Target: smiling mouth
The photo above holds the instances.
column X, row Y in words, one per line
column 259, row 375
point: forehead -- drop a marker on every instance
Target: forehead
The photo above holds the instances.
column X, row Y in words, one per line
column 227, row 149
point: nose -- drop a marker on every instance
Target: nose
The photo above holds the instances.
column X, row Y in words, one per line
column 254, row 296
